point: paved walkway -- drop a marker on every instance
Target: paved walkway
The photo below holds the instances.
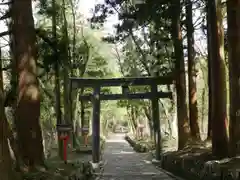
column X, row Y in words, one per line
column 122, row 163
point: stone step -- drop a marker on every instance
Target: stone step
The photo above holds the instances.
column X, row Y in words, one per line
column 132, row 174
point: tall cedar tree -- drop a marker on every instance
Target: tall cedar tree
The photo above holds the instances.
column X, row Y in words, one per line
column 210, row 85
column 193, row 110
column 218, row 80
column 6, row 170
column 183, row 124
column 28, row 94
column 233, row 15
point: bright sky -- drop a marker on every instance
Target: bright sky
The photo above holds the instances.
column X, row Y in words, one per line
column 85, row 8
column 86, row 5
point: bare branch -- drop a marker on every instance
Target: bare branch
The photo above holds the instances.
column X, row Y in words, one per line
column 119, row 60
column 6, row 16
column 7, row 67
column 143, row 60
column 6, row 3
column 5, row 33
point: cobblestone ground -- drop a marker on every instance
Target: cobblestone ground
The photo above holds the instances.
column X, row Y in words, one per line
column 122, row 163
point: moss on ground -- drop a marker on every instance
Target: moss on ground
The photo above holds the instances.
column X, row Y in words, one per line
column 197, row 162
column 140, row 145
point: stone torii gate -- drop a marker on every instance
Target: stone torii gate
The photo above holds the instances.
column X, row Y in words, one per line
column 97, row 96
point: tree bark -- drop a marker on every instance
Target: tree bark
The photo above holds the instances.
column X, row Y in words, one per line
column 193, row 110
column 67, row 56
column 57, row 78
column 218, row 80
column 147, row 112
column 183, row 123
column 6, row 166
column 28, row 94
column 210, row 96
column 233, row 13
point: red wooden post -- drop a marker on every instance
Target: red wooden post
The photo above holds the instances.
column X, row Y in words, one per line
column 65, row 143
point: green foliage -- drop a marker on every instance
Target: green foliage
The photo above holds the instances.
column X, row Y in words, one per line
column 86, row 56
column 48, row 120
column 144, row 34
column 145, row 26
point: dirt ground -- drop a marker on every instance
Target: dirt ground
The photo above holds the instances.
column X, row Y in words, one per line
column 77, row 165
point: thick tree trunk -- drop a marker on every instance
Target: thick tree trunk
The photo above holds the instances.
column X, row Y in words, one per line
column 233, row 13
column 183, row 123
column 28, row 98
column 193, row 110
column 218, row 76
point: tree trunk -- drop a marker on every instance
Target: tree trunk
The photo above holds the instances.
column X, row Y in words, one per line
column 133, row 117
column 203, row 109
column 210, row 95
column 76, row 119
column 67, row 118
column 28, row 94
column 57, row 78
column 233, row 13
column 82, row 105
column 6, row 168
column 218, row 79
column 193, row 110
column 133, row 129
column 183, row 124
column 147, row 112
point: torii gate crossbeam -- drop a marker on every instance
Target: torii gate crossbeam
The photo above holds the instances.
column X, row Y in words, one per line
column 97, row 96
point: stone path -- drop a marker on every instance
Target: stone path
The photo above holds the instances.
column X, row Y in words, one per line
column 122, row 163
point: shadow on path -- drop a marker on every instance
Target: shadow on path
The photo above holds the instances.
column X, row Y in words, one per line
column 123, row 163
